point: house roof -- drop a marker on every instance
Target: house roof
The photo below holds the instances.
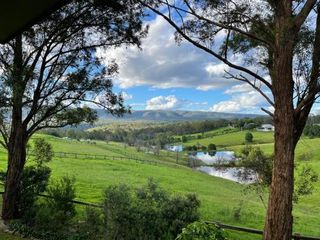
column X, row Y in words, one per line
column 267, row 125
column 17, row 15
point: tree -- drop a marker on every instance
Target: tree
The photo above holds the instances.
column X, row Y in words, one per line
column 184, row 139
column 279, row 41
column 50, row 71
column 212, row 147
column 249, row 137
column 42, row 151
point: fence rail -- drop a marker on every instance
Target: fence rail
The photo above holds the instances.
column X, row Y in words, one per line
column 295, row 236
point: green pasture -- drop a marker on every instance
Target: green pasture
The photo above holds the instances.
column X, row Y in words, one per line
column 232, row 139
column 220, row 198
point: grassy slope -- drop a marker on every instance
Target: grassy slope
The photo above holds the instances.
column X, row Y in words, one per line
column 219, row 197
column 232, row 139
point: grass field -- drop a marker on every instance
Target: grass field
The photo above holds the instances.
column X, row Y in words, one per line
column 220, row 198
column 232, row 139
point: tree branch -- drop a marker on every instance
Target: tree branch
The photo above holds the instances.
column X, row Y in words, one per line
column 218, row 24
column 252, row 84
column 302, row 16
column 216, row 55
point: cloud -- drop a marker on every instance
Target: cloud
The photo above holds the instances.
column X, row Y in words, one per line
column 239, row 88
column 249, row 102
column 171, row 102
column 163, row 64
column 126, row 96
column 163, row 103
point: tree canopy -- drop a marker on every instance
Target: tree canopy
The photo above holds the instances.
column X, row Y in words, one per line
column 274, row 46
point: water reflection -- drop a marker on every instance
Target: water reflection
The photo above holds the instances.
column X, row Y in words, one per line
column 232, row 173
column 236, row 174
column 215, row 157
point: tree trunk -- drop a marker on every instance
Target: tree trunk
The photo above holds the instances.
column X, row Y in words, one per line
column 16, row 162
column 278, row 225
column 279, row 220
column 18, row 138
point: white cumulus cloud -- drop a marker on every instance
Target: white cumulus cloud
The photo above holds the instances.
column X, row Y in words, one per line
column 163, row 64
column 242, row 102
column 163, row 103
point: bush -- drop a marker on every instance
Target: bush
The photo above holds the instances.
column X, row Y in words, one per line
column 147, row 213
column 255, row 161
column 34, row 180
column 249, row 137
column 92, row 227
column 200, row 231
column 212, row 147
column 312, row 131
column 184, row 139
column 42, row 151
column 55, row 213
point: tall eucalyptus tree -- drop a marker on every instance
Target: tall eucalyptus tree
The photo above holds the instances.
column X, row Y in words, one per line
column 279, row 41
column 50, row 71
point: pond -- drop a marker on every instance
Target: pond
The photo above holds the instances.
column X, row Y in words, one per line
column 215, row 157
column 232, row 173
column 236, row 174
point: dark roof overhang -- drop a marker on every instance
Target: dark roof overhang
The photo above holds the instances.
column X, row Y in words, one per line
column 18, row 15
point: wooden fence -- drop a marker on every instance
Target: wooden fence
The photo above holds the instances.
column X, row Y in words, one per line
column 295, row 236
column 100, row 157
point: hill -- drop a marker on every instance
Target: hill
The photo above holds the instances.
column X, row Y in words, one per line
column 162, row 115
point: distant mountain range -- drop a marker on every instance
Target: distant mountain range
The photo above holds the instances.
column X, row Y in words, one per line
column 178, row 115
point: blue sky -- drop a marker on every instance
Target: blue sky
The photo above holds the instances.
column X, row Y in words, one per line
column 166, row 76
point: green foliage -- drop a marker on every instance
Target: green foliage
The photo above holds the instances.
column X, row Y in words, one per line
column 254, row 160
column 249, row 137
column 304, row 184
column 92, row 227
column 42, row 151
column 184, row 139
column 201, row 231
column 34, row 180
column 27, row 232
column 191, row 148
column 312, row 131
column 212, row 147
column 147, row 213
column 56, row 212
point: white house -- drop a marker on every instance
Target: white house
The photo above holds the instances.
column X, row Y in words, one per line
column 265, row 128
column 173, row 148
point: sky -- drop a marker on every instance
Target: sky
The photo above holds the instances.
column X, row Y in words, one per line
column 165, row 76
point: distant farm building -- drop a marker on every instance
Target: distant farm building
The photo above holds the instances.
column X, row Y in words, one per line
column 174, row 148
column 266, row 128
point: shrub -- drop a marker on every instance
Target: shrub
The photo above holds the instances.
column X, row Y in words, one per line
column 249, row 137
column 34, row 180
column 212, row 147
column 42, row 151
column 147, row 213
column 55, row 213
column 200, row 231
column 184, row 139
column 92, row 226
column 203, row 148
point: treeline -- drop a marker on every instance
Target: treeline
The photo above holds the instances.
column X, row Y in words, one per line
column 157, row 134
column 312, row 128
